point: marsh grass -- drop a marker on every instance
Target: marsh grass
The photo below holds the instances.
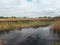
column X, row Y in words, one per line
column 56, row 25
column 11, row 25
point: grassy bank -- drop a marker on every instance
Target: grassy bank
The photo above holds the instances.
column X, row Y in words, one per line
column 18, row 23
column 11, row 24
column 56, row 25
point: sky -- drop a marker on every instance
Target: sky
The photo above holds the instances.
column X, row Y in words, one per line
column 29, row 8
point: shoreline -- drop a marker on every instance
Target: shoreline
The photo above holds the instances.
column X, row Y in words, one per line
column 37, row 26
column 18, row 23
column 9, row 24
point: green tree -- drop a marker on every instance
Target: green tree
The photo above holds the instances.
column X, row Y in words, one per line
column 24, row 17
column 40, row 17
column 2, row 17
column 13, row 17
column 45, row 17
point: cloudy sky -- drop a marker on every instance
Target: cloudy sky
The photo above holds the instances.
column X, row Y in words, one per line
column 29, row 8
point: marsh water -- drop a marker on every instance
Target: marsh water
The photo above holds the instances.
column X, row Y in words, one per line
column 31, row 36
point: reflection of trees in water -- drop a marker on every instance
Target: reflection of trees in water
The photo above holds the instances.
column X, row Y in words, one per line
column 34, row 40
column 31, row 41
column 56, row 32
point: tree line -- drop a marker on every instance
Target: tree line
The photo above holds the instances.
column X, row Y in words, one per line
column 2, row 17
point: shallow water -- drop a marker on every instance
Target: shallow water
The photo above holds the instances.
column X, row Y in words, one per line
column 31, row 36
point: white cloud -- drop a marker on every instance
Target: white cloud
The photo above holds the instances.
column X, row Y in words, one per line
column 25, row 8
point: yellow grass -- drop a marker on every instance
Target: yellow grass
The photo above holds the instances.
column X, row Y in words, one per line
column 11, row 24
column 56, row 25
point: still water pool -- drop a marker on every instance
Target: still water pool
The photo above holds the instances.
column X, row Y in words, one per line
column 31, row 36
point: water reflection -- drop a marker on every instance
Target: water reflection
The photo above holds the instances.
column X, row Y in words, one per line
column 30, row 36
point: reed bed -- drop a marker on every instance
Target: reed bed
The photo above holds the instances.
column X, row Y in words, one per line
column 56, row 25
column 11, row 24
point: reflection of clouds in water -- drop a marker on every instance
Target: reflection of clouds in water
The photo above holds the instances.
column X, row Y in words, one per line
column 29, row 0
column 21, row 36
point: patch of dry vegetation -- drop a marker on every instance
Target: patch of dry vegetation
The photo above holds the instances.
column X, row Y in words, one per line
column 56, row 25
column 11, row 24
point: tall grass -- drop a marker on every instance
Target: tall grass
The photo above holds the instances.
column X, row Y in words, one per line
column 10, row 25
column 56, row 25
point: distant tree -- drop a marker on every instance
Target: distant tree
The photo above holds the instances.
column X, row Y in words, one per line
column 2, row 17
column 58, row 16
column 45, row 17
column 49, row 16
column 24, row 17
column 40, row 17
column 13, row 17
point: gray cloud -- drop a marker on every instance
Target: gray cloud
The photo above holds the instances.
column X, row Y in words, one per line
column 33, row 9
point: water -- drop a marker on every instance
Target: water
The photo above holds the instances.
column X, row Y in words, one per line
column 31, row 36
